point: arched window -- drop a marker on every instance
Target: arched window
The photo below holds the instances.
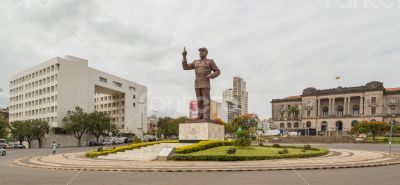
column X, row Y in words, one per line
column 282, row 125
column 373, row 120
column 354, row 123
column 296, row 125
column 324, row 126
column 308, row 124
column 356, row 110
column 325, row 111
column 289, row 125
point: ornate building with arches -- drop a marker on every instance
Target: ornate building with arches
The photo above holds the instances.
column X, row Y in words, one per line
column 336, row 110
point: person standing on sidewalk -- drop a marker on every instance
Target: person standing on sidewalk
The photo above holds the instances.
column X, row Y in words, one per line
column 54, row 148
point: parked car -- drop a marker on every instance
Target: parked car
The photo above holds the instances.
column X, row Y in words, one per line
column 3, row 152
column 3, row 143
column 18, row 146
column 95, row 143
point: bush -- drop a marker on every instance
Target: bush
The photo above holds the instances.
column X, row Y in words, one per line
column 202, row 145
column 276, row 145
column 284, row 151
column 123, row 148
column 231, row 151
column 261, row 144
column 307, row 147
column 242, row 139
column 100, row 149
column 189, row 157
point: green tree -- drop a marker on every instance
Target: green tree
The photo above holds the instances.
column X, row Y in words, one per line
column 3, row 130
column 169, row 126
column 77, row 122
column 18, row 130
column 293, row 111
column 242, row 138
column 373, row 128
column 38, row 129
column 99, row 124
column 245, row 122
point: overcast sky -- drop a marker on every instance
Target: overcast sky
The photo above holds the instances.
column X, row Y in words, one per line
column 278, row 47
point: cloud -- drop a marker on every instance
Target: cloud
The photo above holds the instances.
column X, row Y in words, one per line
column 142, row 41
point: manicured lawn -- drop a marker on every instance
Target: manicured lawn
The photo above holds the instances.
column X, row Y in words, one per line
column 250, row 151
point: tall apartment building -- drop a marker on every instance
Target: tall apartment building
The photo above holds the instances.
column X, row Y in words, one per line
column 48, row 90
column 240, row 93
column 235, row 100
column 337, row 110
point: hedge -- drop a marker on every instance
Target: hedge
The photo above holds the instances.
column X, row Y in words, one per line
column 189, row 157
column 94, row 153
column 202, row 145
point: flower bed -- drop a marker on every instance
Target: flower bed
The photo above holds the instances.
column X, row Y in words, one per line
column 251, row 153
column 202, row 145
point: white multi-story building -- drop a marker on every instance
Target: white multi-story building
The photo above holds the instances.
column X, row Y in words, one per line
column 48, row 90
column 235, row 100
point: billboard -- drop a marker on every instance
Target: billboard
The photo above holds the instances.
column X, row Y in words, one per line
column 193, row 109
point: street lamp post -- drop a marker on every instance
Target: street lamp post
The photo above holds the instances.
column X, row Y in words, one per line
column 141, row 112
column 390, row 134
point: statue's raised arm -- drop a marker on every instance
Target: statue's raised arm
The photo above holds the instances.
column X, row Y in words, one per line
column 185, row 65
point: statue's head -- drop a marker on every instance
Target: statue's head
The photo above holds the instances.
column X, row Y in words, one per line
column 203, row 52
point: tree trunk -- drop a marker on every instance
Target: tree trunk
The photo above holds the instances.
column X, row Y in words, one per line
column 373, row 138
column 79, row 140
column 97, row 138
column 40, row 142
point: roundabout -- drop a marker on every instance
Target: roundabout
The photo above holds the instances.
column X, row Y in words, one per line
column 336, row 158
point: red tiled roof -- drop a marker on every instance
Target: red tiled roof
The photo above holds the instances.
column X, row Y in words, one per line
column 393, row 89
column 292, row 97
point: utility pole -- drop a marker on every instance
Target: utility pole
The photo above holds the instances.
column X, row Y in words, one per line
column 141, row 110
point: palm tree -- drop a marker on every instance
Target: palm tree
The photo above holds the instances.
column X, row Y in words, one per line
column 294, row 111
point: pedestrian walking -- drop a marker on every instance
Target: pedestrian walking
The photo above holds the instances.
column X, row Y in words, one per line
column 54, row 148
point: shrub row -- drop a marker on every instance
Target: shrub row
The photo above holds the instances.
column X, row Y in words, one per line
column 123, row 148
column 202, row 145
column 189, row 157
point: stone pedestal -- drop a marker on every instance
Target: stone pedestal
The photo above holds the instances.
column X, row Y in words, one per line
column 195, row 132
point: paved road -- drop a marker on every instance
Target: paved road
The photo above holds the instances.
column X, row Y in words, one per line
column 11, row 174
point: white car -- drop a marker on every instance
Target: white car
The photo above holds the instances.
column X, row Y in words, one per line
column 3, row 152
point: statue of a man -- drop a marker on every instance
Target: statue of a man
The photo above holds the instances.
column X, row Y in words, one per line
column 205, row 69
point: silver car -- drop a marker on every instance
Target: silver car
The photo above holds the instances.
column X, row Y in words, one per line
column 2, row 152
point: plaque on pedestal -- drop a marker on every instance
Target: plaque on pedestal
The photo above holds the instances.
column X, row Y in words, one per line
column 200, row 131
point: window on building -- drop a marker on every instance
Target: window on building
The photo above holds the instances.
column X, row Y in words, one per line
column 296, row 125
column 117, row 84
column 340, row 111
column 356, row 110
column 104, row 80
column 282, row 125
column 289, row 125
column 309, row 103
column 373, row 110
column 325, row 111
column 373, row 100
column 132, row 88
column 308, row 113
column 308, row 124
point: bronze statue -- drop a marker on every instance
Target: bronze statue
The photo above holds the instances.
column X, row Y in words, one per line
column 205, row 69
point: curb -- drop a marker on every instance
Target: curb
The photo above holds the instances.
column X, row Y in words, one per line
column 19, row 163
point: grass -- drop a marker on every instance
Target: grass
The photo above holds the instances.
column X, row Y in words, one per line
column 250, row 151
